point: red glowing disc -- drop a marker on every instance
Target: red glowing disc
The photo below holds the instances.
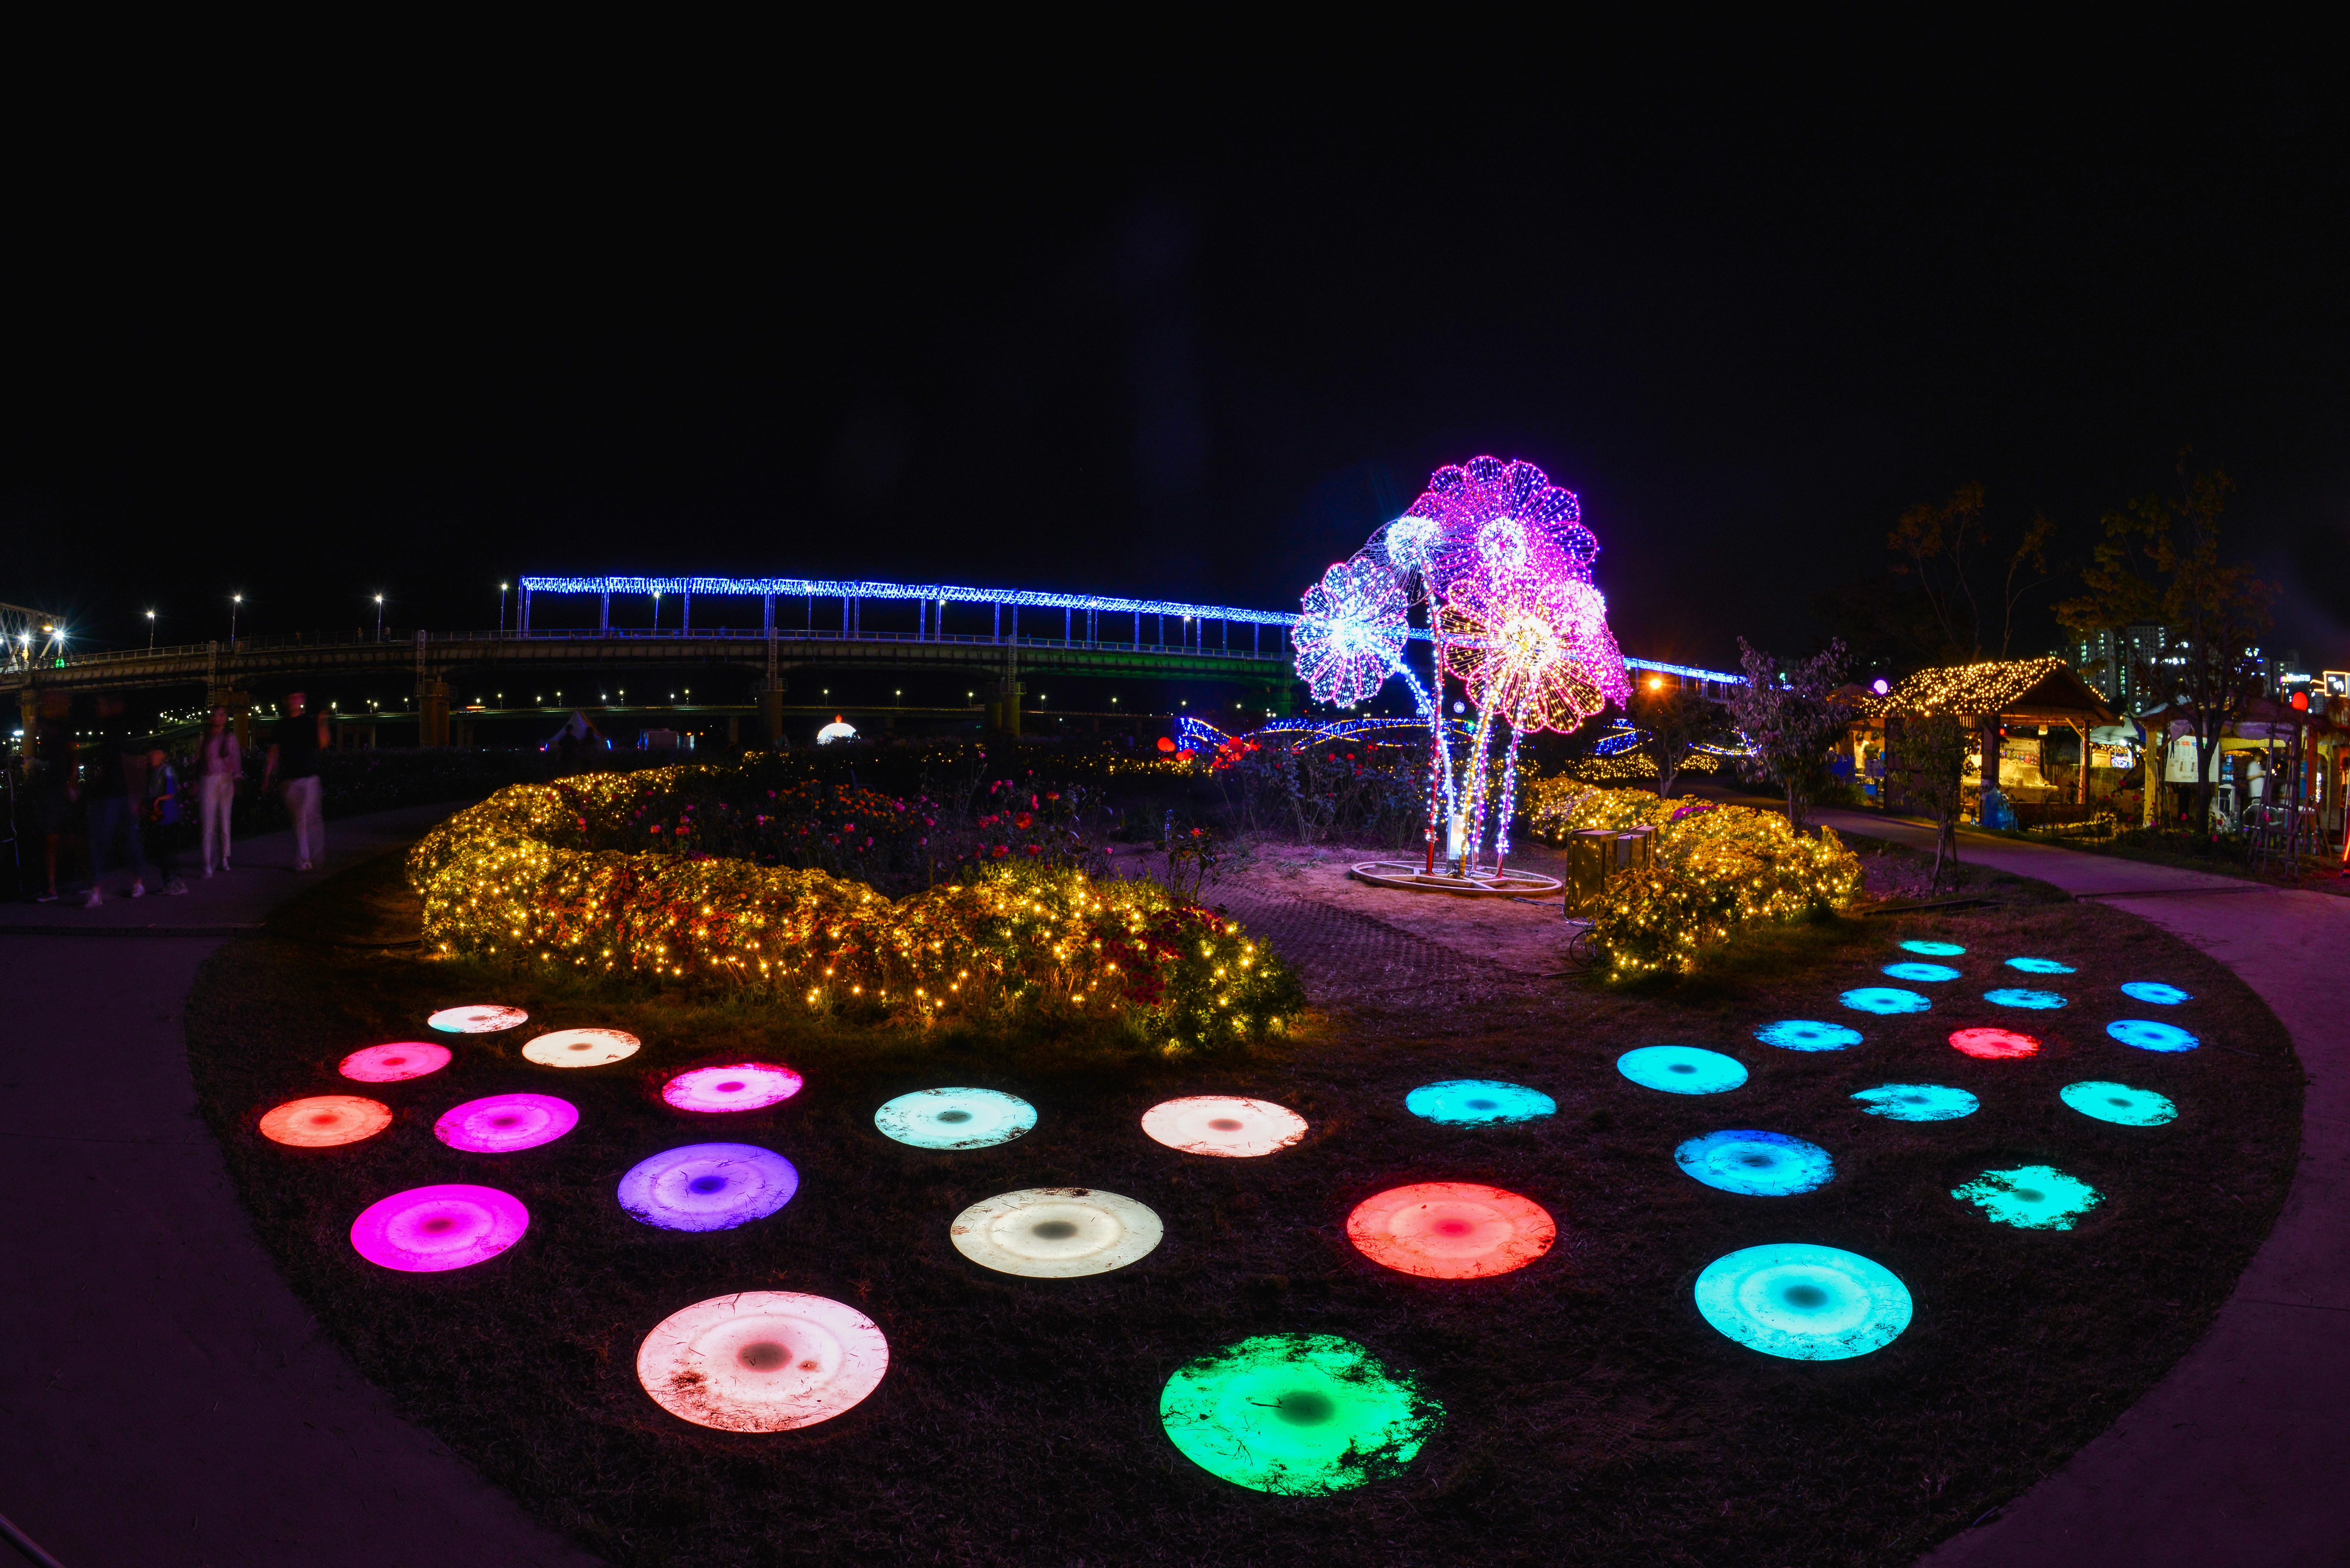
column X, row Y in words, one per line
column 391, row 1063
column 1450, row 1229
column 323, row 1121
column 744, row 1086
column 1994, row 1045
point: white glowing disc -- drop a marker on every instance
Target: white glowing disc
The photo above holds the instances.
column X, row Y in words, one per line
column 1055, row 1233
column 1224, row 1124
column 581, row 1047
column 486, row 1019
column 762, row 1361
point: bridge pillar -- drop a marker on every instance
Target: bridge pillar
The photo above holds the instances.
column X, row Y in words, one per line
column 431, row 712
column 771, row 710
column 1003, row 707
column 28, row 715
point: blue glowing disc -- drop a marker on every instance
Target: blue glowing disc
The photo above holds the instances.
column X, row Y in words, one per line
column 1884, row 999
column 708, row 1187
column 955, row 1118
column 1758, row 1164
column 2154, row 990
column 1804, row 1303
column 2040, row 966
column 2120, row 1102
column 1471, row 1102
column 1920, row 972
column 2038, row 1001
column 1682, row 1069
column 1933, row 949
column 2149, row 1035
column 1917, row 1102
column 2029, row 1197
column 1807, row 1034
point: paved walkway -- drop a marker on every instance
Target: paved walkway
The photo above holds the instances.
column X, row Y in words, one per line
column 2239, row 1455
column 164, row 1399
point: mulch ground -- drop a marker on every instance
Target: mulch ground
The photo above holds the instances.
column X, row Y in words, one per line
column 1592, row 1416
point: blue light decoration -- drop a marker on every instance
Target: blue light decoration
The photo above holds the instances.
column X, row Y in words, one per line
column 1807, row 1034
column 708, row 1187
column 1887, row 1000
column 2154, row 990
column 2119, row 1104
column 2031, row 1001
column 1199, row 735
column 1933, row 949
column 1758, row 1164
column 1804, row 1303
column 1920, row 972
column 955, row 1118
column 2148, row 1035
column 2030, row 1197
column 2040, row 966
column 1474, row 1102
column 1917, row 1102
column 1351, row 634
column 1682, row 1069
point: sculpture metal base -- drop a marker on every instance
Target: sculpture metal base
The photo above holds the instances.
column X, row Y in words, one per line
column 1479, row 883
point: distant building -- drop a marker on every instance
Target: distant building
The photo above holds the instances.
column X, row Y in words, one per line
column 2112, row 662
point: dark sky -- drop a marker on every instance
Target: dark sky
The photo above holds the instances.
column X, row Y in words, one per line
column 1190, row 336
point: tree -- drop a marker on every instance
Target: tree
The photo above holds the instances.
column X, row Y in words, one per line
column 1929, row 756
column 1677, row 720
column 1936, row 542
column 1788, row 719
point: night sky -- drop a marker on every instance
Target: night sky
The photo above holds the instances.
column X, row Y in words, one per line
column 1190, row 338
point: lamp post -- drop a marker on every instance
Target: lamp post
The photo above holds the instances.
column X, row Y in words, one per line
column 656, row 609
column 501, row 609
column 234, row 600
column 379, row 617
column 150, row 631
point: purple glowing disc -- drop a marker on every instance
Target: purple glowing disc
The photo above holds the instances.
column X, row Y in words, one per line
column 428, row 1229
column 504, row 1122
column 709, row 1186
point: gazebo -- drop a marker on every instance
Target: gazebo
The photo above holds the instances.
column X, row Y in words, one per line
column 2007, row 692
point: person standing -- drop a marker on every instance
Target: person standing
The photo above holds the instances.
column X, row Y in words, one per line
column 220, row 766
column 162, row 819
column 116, row 774
column 294, row 751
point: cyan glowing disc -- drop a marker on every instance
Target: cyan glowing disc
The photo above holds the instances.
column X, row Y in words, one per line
column 2154, row 990
column 1758, row 1164
column 2120, row 1102
column 709, row 1186
column 1303, row 1415
column 955, row 1118
column 1933, row 949
column 2037, row 1001
column 2149, row 1035
column 2030, row 1197
column 1807, row 1034
column 1804, row 1303
column 1917, row 1102
column 2039, row 966
column 1885, row 999
column 1920, row 972
column 1684, row 1069
column 1475, row 1101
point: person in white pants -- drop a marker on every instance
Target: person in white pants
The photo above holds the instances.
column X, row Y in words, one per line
column 220, row 763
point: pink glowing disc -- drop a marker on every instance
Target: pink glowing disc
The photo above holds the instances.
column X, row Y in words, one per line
column 428, row 1229
column 391, row 1063
column 484, row 1019
column 323, row 1121
column 1222, row 1125
column 1994, row 1045
column 504, row 1122
column 744, row 1086
column 764, row 1361
column 1450, row 1229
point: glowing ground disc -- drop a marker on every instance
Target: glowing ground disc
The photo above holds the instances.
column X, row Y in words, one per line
column 582, row 1048
column 1993, row 1044
column 2033, row 1001
column 1218, row 1123
column 1933, row 949
column 323, row 1121
column 762, row 1361
column 480, row 1020
column 708, row 1185
column 1758, row 1164
column 1807, row 1034
column 1915, row 972
column 504, row 1122
column 955, row 1118
column 2149, row 1035
column 1804, row 1303
column 1450, row 1229
column 744, row 1086
column 1303, row 1414
column 1683, row 1069
column 392, row 1064
column 1475, row 1101
column 2120, row 1102
column 2030, row 1197
column 1918, row 1102
column 1884, row 999
column 1055, row 1233
column 428, row 1229
column 2040, row 966
column 2154, row 990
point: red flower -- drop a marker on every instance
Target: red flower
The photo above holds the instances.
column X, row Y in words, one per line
column 1022, row 820
column 1035, row 849
column 1000, row 850
column 656, row 827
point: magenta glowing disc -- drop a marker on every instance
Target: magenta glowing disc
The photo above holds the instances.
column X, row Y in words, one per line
column 323, row 1121
column 428, row 1229
column 744, row 1086
column 486, row 1018
column 1223, row 1124
column 391, row 1063
column 504, row 1122
column 762, row 1361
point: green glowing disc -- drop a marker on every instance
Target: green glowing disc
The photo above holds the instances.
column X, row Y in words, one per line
column 2030, row 1197
column 1305, row 1415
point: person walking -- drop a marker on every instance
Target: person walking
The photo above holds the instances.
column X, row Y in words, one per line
column 220, row 767
column 52, row 793
column 158, row 824
column 116, row 774
column 294, row 752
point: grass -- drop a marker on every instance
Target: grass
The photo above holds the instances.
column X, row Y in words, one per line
column 1593, row 1416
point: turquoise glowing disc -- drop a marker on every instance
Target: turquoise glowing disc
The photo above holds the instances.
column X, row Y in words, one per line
column 2154, row 990
column 1303, row 1414
column 1681, row 1069
column 1804, row 1303
column 1886, row 999
column 2030, row 1197
column 1918, row 1102
column 1471, row 1102
column 2149, row 1035
column 1807, row 1034
column 2040, row 966
column 1920, row 972
column 2120, row 1102
column 1758, row 1164
column 955, row 1118
column 2038, row 1001
column 1933, row 949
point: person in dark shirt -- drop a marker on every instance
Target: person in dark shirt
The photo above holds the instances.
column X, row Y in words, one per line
column 293, row 757
column 115, row 772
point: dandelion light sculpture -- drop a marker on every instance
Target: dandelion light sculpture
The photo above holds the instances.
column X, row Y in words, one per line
column 1351, row 636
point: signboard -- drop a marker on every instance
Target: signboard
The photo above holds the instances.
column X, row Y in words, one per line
column 2337, row 683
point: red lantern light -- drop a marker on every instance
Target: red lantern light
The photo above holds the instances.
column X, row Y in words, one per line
column 1165, row 744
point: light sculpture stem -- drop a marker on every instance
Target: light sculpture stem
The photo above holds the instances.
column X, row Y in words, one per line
column 1509, row 792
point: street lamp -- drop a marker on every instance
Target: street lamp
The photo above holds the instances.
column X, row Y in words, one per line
column 150, row 631
column 501, row 609
column 234, row 600
column 656, row 609
column 379, row 617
